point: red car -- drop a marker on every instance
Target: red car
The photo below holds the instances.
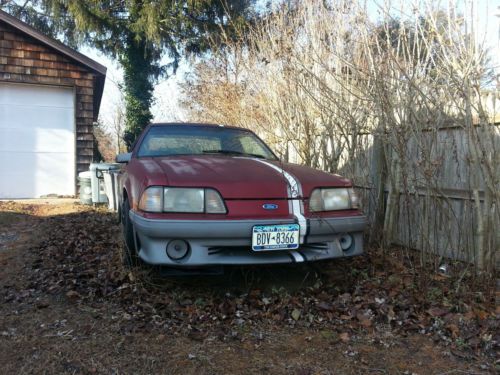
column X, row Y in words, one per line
column 197, row 195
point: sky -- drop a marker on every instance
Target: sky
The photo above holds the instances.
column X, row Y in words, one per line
column 167, row 93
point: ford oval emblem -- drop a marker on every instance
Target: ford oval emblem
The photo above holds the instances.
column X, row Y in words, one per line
column 270, row 206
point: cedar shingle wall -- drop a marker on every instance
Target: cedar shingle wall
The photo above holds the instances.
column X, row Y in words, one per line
column 24, row 60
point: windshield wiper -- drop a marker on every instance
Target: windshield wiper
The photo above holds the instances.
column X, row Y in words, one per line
column 231, row 152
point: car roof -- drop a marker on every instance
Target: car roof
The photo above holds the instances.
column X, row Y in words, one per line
column 197, row 124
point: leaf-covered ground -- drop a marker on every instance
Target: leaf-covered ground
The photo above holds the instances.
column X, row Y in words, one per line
column 68, row 306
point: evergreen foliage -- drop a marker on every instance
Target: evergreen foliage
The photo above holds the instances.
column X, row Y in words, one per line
column 139, row 34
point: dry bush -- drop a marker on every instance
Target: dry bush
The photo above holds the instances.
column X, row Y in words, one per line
column 398, row 105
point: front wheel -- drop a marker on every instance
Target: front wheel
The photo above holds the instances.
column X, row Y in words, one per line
column 129, row 254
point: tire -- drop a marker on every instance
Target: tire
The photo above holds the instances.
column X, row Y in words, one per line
column 129, row 255
column 119, row 214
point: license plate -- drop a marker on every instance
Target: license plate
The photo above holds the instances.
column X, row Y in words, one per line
column 275, row 237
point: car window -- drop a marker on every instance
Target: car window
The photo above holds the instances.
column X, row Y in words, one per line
column 201, row 140
column 169, row 145
column 250, row 144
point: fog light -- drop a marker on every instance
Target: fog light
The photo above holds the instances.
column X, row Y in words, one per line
column 345, row 241
column 177, row 249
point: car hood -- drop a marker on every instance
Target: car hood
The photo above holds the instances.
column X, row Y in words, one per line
column 237, row 177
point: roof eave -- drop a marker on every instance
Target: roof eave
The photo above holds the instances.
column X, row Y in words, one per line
column 55, row 44
column 72, row 54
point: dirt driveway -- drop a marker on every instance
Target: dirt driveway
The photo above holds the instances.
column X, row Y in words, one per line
column 68, row 306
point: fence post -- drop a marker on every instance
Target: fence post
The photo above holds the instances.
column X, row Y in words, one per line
column 378, row 178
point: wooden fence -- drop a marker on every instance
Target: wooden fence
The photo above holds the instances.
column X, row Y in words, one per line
column 436, row 214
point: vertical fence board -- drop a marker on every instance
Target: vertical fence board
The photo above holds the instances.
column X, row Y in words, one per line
column 441, row 219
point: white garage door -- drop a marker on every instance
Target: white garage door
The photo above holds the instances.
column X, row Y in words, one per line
column 37, row 141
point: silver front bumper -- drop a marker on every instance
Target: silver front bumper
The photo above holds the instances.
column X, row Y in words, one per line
column 229, row 242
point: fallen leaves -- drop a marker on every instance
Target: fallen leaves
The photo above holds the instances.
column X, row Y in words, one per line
column 296, row 314
column 481, row 314
column 79, row 260
column 325, row 306
column 364, row 319
column 73, row 295
column 344, row 337
column 437, row 311
column 453, row 328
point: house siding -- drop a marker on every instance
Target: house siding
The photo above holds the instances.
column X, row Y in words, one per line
column 24, row 60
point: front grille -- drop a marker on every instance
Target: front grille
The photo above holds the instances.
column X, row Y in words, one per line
column 220, row 249
column 317, row 246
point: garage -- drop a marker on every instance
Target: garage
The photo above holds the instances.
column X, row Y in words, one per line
column 37, row 141
column 50, row 97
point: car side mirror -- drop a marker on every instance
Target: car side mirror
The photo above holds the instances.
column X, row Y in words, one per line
column 123, row 158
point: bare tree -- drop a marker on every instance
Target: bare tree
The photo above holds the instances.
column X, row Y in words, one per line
column 399, row 105
column 118, row 126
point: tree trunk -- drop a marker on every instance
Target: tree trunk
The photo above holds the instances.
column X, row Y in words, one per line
column 138, row 70
column 378, row 176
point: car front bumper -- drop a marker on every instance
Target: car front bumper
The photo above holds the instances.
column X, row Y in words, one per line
column 229, row 242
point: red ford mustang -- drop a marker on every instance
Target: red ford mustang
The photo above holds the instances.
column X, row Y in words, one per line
column 196, row 195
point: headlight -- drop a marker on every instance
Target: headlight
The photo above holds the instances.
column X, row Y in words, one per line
column 332, row 199
column 182, row 200
column 152, row 199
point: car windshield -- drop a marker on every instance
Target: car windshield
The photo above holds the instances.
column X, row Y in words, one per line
column 202, row 140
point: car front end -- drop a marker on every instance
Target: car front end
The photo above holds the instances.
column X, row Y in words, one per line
column 215, row 207
column 203, row 242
